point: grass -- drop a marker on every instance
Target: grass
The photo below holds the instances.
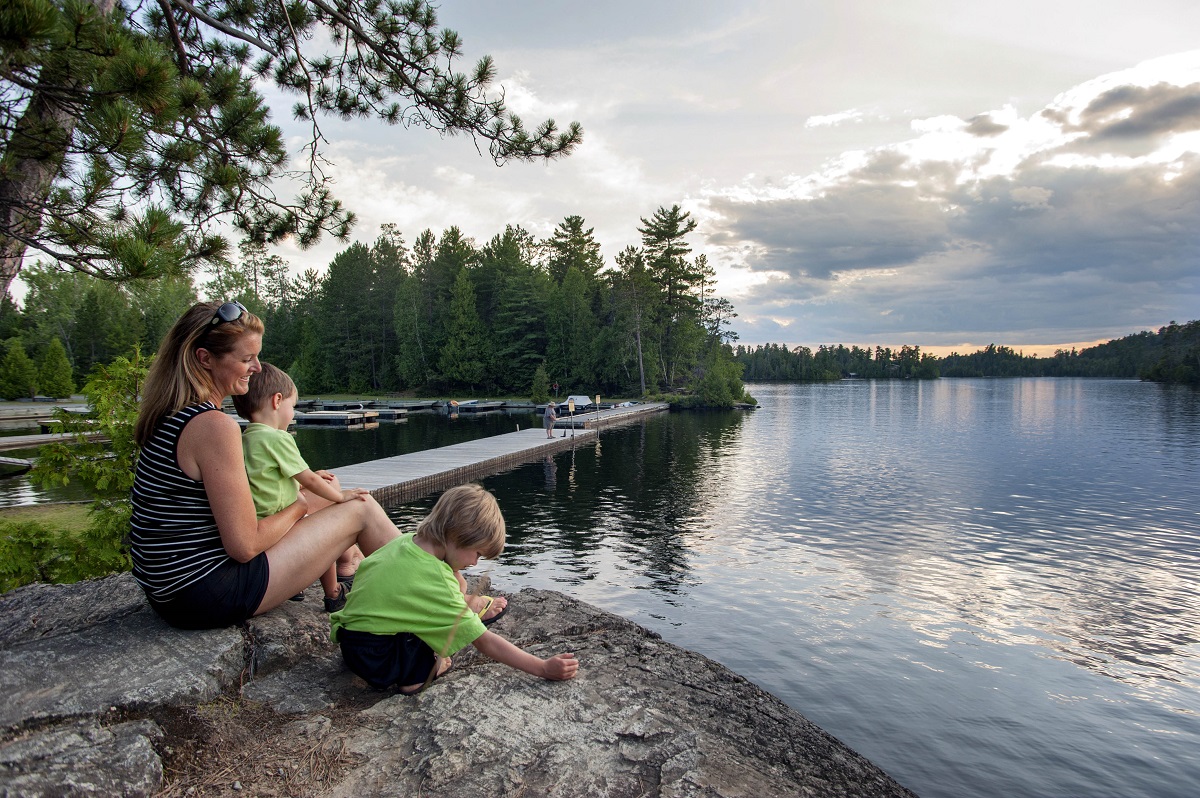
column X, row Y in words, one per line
column 70, row 517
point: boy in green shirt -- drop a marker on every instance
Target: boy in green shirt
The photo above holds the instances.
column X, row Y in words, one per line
column 409, row 612
column 277, row 471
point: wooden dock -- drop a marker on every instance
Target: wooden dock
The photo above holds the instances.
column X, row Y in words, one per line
column 342, row 419
column 12, row 466
column 395, row 480
column 10, row 442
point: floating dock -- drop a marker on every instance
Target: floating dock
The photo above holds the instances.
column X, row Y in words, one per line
column 10, row 442
column 341, row 419
column 12, row 466
column 395, row 480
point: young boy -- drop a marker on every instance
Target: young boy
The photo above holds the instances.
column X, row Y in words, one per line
column 275, row 467
column 409, row 612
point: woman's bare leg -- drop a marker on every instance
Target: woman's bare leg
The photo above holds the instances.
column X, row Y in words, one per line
column 314, row 543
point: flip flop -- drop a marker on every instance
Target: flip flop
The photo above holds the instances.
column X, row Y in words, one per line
column 488, row 606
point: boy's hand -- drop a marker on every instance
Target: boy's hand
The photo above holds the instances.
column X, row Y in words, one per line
column 355, row 493
column 325, row 475
column 559, row 668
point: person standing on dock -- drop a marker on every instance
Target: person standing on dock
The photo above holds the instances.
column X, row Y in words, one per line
column 548, row 419
column 200, row 553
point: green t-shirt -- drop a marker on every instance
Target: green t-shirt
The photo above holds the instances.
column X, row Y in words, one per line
column 272, row 462
column 403, row 588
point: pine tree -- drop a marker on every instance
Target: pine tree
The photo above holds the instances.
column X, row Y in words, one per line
column 539, row 392
column 679, row 308
column 126, row 130
column 54, row 371
column 464, row 354
column 18, row 374
column 571, row 245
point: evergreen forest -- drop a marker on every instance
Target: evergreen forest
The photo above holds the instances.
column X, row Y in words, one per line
column 1172, row 355
column 443, row 314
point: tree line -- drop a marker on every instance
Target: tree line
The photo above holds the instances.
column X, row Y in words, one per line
column 1172, row 355
column 775, row 362
column 513, row 316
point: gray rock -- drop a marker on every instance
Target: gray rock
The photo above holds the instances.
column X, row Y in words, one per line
column 83, row 758
column 644, row 717
column 133, row 662
column 288, row 634
column 41, row 610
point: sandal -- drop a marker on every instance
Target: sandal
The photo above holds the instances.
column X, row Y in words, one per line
column 337, row 602
column 488, row 606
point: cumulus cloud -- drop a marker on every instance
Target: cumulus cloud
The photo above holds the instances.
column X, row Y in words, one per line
column 991, row 225
column 833, row 120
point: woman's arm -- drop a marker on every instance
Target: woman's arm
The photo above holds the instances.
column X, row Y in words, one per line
column 210, row 449
column 557, row 668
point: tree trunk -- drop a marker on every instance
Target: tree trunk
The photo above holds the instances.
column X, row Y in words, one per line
column 641, row 365
column 33, row 157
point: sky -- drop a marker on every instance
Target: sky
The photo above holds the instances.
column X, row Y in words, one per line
column 946, row 174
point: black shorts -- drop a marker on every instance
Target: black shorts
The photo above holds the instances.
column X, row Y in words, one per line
column 385, row 660
column 226, row 597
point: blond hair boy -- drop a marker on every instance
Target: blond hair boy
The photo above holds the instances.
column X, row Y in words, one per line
column 409, row 612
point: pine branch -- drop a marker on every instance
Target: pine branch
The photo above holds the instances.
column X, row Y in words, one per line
column 221, row 26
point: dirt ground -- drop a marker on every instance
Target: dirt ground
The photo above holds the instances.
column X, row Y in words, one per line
column 234, row 747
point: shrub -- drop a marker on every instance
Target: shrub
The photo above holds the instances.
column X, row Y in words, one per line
column 105, row 469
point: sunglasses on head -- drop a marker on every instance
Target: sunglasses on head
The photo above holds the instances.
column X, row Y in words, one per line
column 230, row 311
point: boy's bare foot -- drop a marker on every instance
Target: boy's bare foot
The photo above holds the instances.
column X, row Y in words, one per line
column 443, row 665
column 495, row 608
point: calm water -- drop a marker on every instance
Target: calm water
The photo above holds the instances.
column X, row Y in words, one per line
column 988, row 587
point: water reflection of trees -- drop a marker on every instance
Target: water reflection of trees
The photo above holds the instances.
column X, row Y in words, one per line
column 634, row 495
column 628, row 500
column 332, row 448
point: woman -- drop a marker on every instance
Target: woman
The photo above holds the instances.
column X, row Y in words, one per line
column 199, row 552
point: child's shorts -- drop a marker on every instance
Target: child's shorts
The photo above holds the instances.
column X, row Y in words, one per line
column 385, row 660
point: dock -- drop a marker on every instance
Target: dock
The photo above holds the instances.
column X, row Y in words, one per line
column 12, row 466
column 406, row 477
column 10, row 442
column 342, row 419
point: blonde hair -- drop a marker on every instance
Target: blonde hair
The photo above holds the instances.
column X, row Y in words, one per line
column 263, row 385
column 176, row 378
column 467, row 516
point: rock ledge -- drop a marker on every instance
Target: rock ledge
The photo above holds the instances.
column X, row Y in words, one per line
column 94, row 679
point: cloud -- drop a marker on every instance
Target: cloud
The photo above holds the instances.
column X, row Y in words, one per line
column 984, row 126
column 989, row 226
column 834, row 120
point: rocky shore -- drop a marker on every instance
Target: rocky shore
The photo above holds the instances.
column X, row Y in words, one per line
column 102, row 698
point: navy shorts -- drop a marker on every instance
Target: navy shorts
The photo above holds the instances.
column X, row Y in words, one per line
column 226, row 597
column 385, row 660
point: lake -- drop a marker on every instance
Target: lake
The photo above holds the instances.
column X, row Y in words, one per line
column 987, row 587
